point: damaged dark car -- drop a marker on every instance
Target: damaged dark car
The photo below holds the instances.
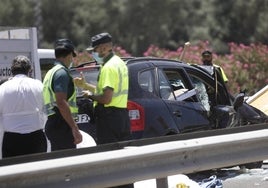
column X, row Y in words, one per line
column 171, row 97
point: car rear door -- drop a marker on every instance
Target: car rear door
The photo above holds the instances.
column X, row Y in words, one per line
column 153, row 117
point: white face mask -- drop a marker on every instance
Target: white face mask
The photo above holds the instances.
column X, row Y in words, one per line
column 96, row 56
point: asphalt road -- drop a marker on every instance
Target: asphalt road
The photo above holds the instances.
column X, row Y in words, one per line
column 230, row 177
column 236, row 177
column 247, row 178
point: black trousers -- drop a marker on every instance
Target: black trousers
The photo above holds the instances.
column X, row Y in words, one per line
column 59, row 133
column 15, row 144
column 112, row 124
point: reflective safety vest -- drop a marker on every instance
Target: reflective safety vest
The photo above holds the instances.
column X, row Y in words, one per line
column 223, row 75
column 114, row 74
column 49, row 95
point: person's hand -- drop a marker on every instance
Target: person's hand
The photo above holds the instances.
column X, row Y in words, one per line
column 77, row 135
column 80, row 81
column 86, row 93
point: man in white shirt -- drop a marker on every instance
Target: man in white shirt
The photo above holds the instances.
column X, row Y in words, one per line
column 21, row 112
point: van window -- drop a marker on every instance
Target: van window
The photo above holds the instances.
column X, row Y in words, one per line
column 46, row 60
column 45, row 65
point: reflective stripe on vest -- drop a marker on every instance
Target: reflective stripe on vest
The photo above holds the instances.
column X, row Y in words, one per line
column 49, row 95
column 120, row 92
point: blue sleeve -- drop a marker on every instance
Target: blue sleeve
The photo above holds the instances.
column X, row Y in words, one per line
column 60, row 81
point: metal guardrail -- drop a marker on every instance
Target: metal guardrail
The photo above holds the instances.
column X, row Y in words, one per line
column 132, row 164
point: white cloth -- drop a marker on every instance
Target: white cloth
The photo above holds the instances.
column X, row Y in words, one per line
column 181, row 180
column 174, row 181
column 21, row 105
column 87, row 141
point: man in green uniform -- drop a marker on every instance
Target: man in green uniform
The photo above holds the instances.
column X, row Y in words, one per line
column 111, row 94
column 60, row 100
column 207, row 60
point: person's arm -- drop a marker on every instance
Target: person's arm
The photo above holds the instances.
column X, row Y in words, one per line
column 107, row 80
column 89, row 87
column 63, row 106
column 104, row 98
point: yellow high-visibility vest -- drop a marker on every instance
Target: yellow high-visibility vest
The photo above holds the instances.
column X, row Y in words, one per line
column 114, row 74
column 223, row 75
column 49, row 95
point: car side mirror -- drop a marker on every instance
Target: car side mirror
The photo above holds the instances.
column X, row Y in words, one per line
column 238, row 101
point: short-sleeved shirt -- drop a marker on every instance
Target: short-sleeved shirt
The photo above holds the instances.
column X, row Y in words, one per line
column 21, row 105
column 62, row 81
column 114, row 74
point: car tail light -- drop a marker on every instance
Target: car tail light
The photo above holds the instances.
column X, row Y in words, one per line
column 136, row 115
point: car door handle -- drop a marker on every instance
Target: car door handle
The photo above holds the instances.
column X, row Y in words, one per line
column 177, row 113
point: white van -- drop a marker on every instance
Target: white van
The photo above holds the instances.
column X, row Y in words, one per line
column 46, row 60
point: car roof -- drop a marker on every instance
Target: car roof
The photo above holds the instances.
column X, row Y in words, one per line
column 132, row 60
column 155, row 60
column 138, row 59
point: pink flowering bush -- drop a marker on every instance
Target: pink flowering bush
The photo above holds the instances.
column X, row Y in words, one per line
column 245, row 66
column 191, row 54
